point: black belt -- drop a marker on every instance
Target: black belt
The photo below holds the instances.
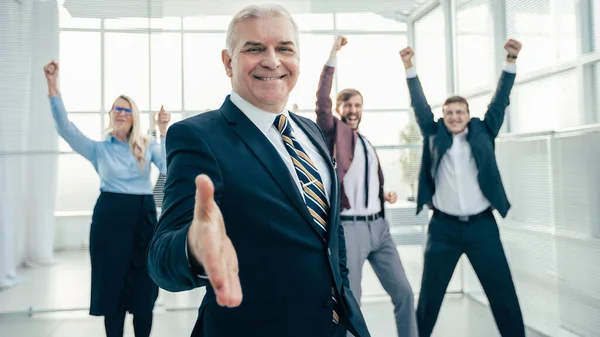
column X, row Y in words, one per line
column 465, row 218
column 371, row 217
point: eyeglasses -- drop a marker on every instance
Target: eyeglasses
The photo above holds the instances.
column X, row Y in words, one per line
column 119, row 109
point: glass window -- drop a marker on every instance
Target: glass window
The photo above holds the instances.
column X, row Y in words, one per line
column 311, row 21
column 547, row 29
column 596, row 23
column 126, row 68
column 88, row 123
column 430, row 55
column 166, row 71
column 314, row 52
column 78, row 184
column 209, row 22
column 372, row 64
column 475, row 53
column 594, row 69
column 127, row 23
column 67, row 21
column 205, row 81
column 384, row 128
column 145, row 122
column 478, row 105
column 166, row 23
column 80, row 70
column 547, row 104
column 367, row 22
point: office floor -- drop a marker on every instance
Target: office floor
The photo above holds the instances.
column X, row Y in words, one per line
column 65, row 286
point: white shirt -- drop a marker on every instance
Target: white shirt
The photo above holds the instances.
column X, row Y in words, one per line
column 354, row 182
column 457, row 190
column 264, row 122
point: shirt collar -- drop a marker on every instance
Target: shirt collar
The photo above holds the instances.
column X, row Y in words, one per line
column 462, row 135
column 262, row 119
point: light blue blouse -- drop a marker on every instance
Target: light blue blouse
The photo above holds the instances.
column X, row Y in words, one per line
column 112, row 159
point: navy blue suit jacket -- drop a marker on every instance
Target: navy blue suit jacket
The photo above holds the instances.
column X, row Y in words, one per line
column 286, row 270
column 437, row 139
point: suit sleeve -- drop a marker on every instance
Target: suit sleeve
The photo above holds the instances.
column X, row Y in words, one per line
column 423, row 112
column 187, row 157
column 325, row 119
column 343, row 268
column 494, row 117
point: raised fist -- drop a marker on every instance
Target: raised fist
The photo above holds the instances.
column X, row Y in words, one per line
column 339, row 42
column 51, row 71
column 513, row 47
column 407, row 54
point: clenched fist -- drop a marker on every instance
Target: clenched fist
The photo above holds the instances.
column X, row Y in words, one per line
column 51, row 73
column 513, row 47
column 407, row 54
column 163, row 120
column 339, row 42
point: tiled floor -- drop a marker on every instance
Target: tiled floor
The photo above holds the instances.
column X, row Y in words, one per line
column 65, row 286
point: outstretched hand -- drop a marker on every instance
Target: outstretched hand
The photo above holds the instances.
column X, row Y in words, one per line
column 212, row 248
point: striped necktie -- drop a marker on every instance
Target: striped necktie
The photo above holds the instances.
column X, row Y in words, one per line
column 312, row 185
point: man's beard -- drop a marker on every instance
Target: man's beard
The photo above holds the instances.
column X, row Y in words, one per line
column 346, row 121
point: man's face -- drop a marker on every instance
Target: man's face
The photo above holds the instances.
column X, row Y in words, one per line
column 351, row 111
column 264, row 63
column 456, row 117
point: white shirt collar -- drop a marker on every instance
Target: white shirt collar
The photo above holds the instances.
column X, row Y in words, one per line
column 462, row 135
column 262, row 119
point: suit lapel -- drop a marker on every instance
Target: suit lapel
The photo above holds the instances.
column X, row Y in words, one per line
column 441, row 142
column 266, row 153
column 315, row 136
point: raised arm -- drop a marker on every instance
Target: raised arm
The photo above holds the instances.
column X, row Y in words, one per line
column 65, row 128
column 423, row 113
column 325, row 119
column 159, row 152
column 494, row 117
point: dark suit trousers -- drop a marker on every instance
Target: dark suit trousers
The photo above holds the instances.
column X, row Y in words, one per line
column 447, row 240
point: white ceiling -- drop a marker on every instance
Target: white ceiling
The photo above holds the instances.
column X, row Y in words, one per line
column 393, row 9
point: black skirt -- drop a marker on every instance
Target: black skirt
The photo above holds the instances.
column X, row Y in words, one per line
column 121, row 230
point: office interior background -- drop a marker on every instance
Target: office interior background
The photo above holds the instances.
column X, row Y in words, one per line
column 167, row 52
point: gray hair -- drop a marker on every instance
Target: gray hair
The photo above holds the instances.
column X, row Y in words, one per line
column 258, row 12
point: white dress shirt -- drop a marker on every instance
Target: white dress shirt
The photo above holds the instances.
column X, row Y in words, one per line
column 264, row 122
column 457, row 190
column 354, row 182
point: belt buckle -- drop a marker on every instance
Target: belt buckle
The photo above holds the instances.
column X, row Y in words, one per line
column 464, row 218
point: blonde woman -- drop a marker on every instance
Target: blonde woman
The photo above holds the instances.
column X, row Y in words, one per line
column 125, row 213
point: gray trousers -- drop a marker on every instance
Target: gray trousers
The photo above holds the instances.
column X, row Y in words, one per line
column 372, row 241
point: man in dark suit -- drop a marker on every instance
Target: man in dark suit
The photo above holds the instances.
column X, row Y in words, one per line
column 460, row 181
column 362, row 197
column 251, row 201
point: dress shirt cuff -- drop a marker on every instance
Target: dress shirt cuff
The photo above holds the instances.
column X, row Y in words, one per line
column 203, row 275
column 331, row 63
column 510, row 68
column 411, row 72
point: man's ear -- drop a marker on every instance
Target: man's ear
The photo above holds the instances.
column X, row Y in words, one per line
column 226, row 58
